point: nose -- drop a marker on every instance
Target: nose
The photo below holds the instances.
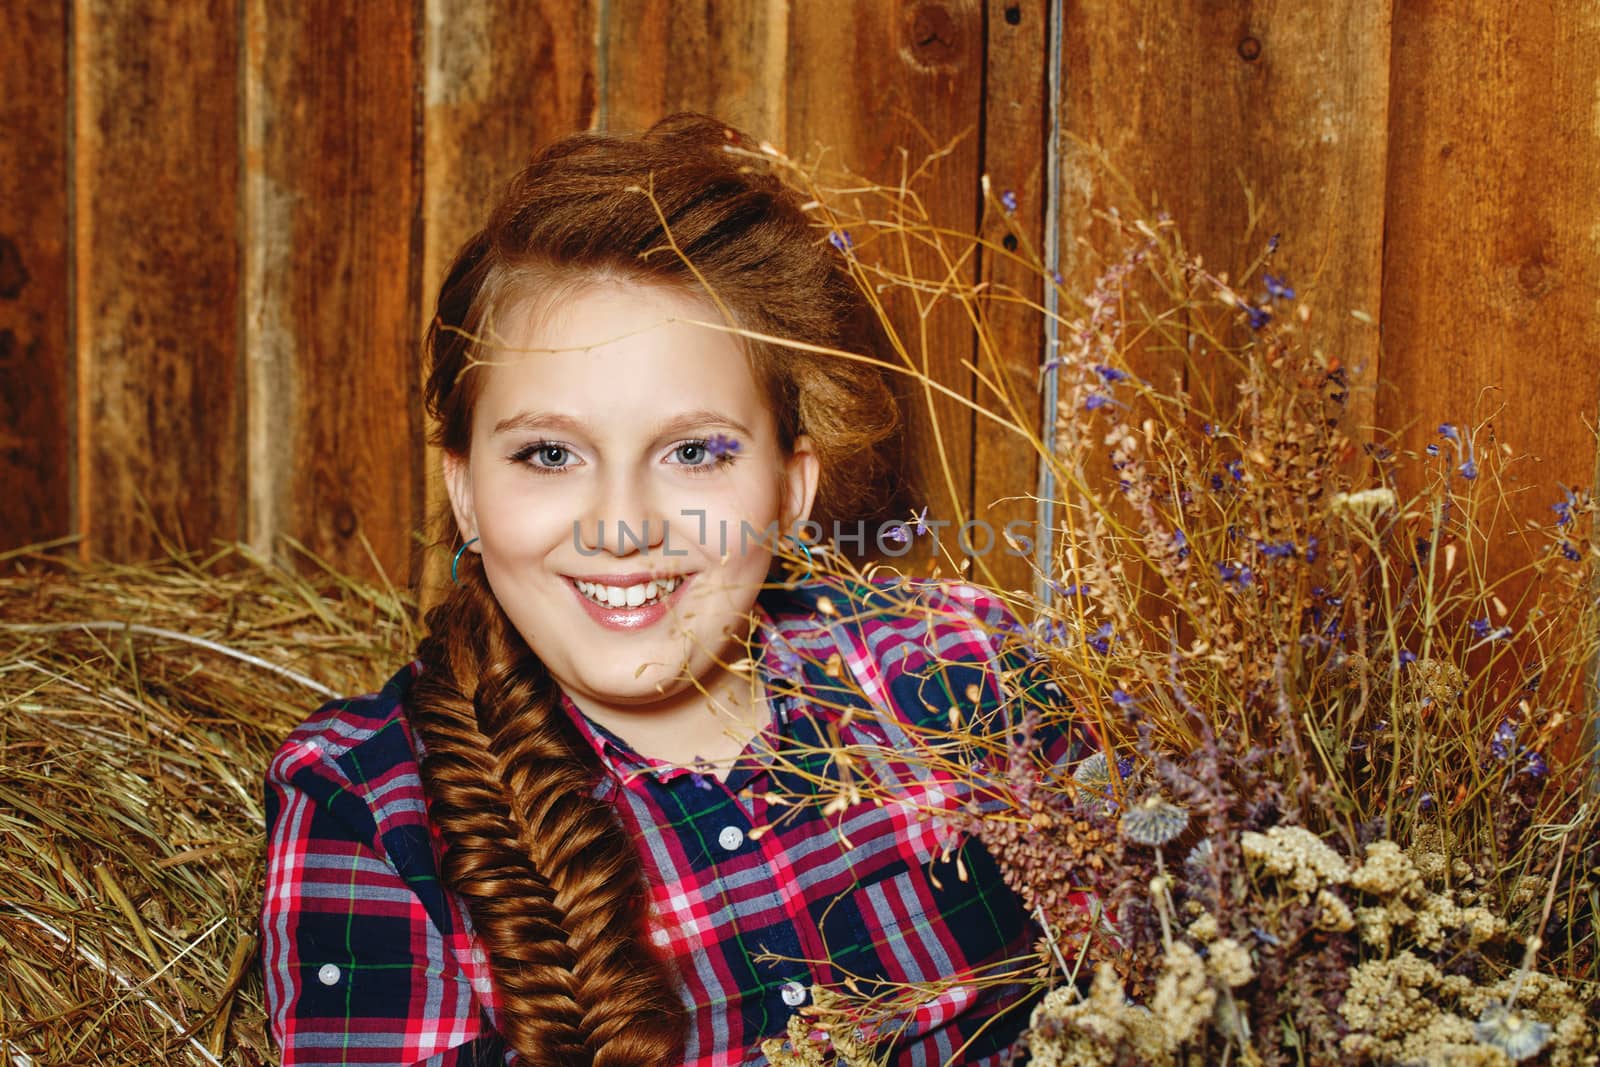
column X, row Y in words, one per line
column 622, row 516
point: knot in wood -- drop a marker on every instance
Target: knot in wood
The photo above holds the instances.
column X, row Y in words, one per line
column 932, row 36
column 344, row 521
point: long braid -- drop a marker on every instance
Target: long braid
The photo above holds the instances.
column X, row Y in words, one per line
column 551, row 881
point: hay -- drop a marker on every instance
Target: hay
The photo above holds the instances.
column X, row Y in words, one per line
column 138, row 708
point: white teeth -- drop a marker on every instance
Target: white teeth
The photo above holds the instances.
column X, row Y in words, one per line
column 630, row 596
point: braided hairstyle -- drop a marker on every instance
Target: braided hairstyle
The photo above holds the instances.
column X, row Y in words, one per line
column 552, row 883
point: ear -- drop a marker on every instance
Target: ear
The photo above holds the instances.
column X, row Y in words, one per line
column 800, row 476
column 458, row 483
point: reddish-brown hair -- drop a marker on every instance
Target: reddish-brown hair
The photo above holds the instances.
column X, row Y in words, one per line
column 552, row 883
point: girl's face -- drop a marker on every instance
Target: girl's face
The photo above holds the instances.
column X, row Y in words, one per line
column 590, row 474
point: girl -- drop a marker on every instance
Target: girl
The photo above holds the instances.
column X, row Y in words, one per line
column 554, row 838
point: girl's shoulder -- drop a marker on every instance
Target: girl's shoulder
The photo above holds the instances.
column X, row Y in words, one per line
column 896, row 609
column 359, row 744
column 912, row 643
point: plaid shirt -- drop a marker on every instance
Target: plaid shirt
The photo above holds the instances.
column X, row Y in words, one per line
column 369, row 959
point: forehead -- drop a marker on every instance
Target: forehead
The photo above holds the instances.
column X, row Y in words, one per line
column 620, row 356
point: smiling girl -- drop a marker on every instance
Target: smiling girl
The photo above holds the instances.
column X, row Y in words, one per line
column 554, row 837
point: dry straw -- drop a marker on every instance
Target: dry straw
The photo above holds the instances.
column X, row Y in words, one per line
column 138, row 707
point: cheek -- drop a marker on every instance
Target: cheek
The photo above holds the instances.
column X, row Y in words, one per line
column 748, row 512
column 516, row 518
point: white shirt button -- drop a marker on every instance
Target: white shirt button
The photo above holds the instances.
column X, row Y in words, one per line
column 793, row 994
column 328, row 974
column 730, row 838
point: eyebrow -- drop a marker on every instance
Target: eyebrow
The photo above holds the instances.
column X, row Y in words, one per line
column 688, row 420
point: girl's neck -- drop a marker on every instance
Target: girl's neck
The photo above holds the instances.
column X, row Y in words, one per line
column 707, row 729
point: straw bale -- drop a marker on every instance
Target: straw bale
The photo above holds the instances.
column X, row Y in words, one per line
column 138, row 707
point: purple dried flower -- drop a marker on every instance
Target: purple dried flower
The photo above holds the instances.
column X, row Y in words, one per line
column 1469, row 469
column 1407, row 657
column 1277, row 287
column 1535, row 766
column 1272, row 243
column 840, row 239
column 1110, row 374
column 1095, row 401
column 1101, row 641
column 1503, row 743
column 1121, row 699
column 898, row 533
column 1571, row 553
column 719, row 445
column 1563, row 508
column 1180, row 544
column 1053, row 631
column 1447, row 430
column 1259, row 316
column 1486, row 632
column 1008, row 200
column 1235, row 575
column 1432, row 450
column 1235, row 467
column 1280, row 550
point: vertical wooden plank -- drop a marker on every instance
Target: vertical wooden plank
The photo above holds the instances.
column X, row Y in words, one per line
column 1497, row 130
column 1494, row 244
column 154, row 260
column 500, row 78
column 867, row 80
column 1015, row 135
column 722, row 57
column 35, row 367
column 332, row 193
column 1197, row 102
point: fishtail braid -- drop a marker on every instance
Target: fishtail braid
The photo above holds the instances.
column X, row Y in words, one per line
column 551, row 881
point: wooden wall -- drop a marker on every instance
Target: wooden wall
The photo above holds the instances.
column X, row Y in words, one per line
column 221, row 223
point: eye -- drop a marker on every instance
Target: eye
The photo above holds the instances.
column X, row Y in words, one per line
column 546, row 457
column 701, row 458
column 692, row 453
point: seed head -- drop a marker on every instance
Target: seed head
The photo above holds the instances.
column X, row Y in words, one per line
column 1154, row 821
column 1093, row 772
column 1513, row 1033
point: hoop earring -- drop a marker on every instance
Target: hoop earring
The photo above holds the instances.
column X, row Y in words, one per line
column 457, row 559
column 811, row 563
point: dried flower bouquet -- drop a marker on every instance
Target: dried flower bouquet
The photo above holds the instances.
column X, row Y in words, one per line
column 1340, row 803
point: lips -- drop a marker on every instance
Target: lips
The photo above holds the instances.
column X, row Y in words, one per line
column 626, row 618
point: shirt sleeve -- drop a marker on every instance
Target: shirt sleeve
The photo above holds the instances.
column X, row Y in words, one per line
column 356, row 970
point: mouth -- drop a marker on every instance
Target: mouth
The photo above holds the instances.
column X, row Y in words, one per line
column 637, row 594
